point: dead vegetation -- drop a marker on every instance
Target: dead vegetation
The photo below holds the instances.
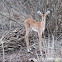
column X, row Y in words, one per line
column 12, row 31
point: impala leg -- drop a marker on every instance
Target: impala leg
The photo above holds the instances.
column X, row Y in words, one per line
column 27, row 26
column 26, row 39
column 40, row 39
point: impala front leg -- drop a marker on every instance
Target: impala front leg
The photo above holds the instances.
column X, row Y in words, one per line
column 40, row 39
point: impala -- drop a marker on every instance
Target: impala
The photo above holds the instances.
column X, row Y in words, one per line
column 39, row 27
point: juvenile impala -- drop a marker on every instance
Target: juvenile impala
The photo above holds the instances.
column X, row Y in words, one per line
column 36, row 26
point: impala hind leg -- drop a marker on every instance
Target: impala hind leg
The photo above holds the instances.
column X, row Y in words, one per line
column 27, row 26
column 27, row 41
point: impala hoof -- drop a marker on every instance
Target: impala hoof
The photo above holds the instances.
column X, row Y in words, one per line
column 41, row 53
column 29, row 50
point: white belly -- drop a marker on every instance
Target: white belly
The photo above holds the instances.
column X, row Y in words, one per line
column 34, row 29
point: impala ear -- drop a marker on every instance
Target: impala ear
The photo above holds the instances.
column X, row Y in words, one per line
column 38, row 12
column 47, row 12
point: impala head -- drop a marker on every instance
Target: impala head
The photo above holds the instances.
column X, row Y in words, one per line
column 43, row 14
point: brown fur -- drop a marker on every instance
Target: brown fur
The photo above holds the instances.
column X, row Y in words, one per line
column 39, row 26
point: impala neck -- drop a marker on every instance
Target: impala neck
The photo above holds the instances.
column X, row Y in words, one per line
column 43, row 21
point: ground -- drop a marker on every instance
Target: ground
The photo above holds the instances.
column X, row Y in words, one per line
column 15, row 48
